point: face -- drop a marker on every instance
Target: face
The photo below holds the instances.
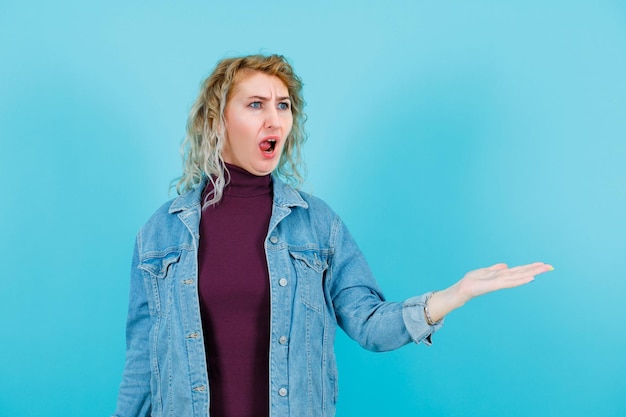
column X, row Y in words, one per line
column 258, row 120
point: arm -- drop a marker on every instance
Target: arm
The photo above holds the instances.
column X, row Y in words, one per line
column 134, row 394
column 482, row 281
column 380, row 325
column 360, row 307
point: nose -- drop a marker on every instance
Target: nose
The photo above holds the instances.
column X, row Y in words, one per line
column 272, row 120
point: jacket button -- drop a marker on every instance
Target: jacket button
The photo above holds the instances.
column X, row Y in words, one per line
column 282, row 392
column 282, row 282
column 282, row 340
column 274, row 240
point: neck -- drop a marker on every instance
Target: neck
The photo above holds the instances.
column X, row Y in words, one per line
column 244, row 184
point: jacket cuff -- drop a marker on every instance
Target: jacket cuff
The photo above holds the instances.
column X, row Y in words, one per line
column 415, row 321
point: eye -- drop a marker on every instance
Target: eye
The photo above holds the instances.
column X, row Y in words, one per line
column 284, row 105
column 255, row 105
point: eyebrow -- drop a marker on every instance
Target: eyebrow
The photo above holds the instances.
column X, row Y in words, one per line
column 267, row 99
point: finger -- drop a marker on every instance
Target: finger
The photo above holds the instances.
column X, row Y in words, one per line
column 537, row 266
column 498, row 267
column 528, row 270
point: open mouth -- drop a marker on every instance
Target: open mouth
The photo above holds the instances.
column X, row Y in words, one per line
column 268, row 146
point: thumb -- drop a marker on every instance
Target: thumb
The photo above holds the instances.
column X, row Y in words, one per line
column 498, row 266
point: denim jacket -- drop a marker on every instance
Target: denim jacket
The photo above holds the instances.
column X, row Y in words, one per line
column 318, row 279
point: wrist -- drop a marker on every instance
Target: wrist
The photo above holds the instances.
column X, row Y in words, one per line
column 456, row 296
column 429, row 319
column 439, row 303
column 452, row 297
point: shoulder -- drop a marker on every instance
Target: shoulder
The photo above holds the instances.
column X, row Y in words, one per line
column 316, row 205
column 183, row 205
column 308, row 219
column 299, row 201
column 171, row 222
column 161, row 215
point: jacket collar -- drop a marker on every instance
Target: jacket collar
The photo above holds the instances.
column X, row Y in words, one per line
column 284, row 196
column 188, row 200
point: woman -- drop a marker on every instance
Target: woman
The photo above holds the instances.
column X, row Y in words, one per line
column 239, row 283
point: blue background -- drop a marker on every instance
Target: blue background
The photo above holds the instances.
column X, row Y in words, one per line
column 449, row 136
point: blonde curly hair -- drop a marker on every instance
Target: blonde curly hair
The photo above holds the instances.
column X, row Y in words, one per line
column 202, row 148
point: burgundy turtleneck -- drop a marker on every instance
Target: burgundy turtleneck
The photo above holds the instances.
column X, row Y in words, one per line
column 234, row 295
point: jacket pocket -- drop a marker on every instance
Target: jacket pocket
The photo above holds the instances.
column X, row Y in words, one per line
column 157, row 267
column 310, row 266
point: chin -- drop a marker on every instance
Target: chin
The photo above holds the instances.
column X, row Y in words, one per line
column 265, row 167
column 261, row 170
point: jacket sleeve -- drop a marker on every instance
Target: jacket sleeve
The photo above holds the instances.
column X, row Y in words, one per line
column 360, row 306
column 134, row 394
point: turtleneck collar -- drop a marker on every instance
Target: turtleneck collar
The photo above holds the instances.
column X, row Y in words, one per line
column 244, row 184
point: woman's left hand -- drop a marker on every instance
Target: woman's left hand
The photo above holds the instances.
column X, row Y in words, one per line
column 497, row 277
column 482, row 281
